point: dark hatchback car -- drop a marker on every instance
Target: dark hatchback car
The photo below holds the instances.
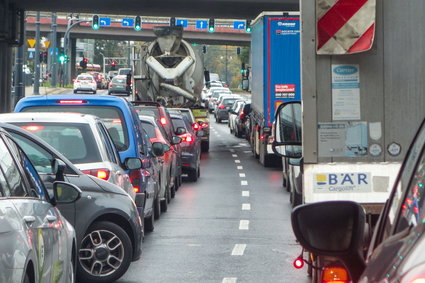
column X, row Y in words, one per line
column 396, row 250
column 108, row 227
column 222, row 112
column 191, row 146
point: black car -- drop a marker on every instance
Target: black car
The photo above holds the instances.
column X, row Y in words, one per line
column 190, row 145
column 104, row 214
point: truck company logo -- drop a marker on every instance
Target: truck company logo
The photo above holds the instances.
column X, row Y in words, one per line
column 284, row 90
column 286, row 24
column 342, row 182
column 345, row 70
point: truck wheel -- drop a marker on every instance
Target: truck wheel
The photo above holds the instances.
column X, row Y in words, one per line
column 205, row 146
column 254, row 146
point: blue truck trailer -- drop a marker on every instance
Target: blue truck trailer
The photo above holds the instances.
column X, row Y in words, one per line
column 275, row 76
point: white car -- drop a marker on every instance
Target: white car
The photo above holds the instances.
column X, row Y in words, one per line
column 83, row 139
column 85, row 82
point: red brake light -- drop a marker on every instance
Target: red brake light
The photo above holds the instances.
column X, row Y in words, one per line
column 71, row 101
column 99, row 173
column 32, row 128
column 187, row 138
column 242, row 115
column 204, row 125
column 195, row 126
column 163, row 121
column 135, row 180
column 298, row 263
column 77, row 81
column 221, row 106
column 110, row 85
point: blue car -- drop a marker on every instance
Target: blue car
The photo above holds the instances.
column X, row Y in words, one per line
column 123, row 125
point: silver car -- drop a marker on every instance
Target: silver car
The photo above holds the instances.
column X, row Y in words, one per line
column 37, row 244
column 83, row 139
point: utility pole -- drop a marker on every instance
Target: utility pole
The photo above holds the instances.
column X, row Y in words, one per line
column 128, row 55
column 53, row 57
column 227, row 82
column 37, row 56
column 18, row 79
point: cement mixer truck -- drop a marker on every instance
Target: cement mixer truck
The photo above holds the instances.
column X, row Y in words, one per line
column 169, row 71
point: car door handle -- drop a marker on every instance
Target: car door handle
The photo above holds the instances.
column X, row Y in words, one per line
column 29, row 219
column 51, row 218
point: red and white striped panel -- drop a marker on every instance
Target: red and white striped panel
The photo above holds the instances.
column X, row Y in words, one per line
column 344, row 26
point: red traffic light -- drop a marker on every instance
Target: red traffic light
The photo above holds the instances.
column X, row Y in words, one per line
column 113, row 63
column 85, row 60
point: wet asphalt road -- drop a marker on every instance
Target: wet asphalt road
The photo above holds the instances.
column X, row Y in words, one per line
column 232, row 225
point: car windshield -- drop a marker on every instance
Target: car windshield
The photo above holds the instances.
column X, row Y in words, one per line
column 111, row 116
column 74, row 140
column 178, row 123
column 84, row 78
column 119, row 80
column 229, row 101
column 149, row 128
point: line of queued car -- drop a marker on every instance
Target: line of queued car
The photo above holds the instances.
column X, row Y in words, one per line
column 115, row 81
column 82, row 178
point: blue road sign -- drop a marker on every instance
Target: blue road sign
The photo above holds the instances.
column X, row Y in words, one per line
column 31, row 54
column 181, row 22
column 105, row 22
column 201, row 24
column 239, row 25
column 127, row 22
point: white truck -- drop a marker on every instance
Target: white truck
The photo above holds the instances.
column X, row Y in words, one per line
column 360, row 110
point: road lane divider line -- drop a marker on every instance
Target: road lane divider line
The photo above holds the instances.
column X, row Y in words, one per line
column 231, row 150
column 229, row 280
column 239, row 249
column 246, row 206
column 244, row 183
column 245, row 193
column 242, row 175
column 234, row 155
column 237, row 161
column 244, row 225
column 240, row 167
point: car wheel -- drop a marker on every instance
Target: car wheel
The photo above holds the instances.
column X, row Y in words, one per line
column 109, row 93
column 94, row 92
column 105, row 253
column 149, row 222
column 199, row 171
column 164, row 203
column 169, row 195
column 75, row 91
column 157, row 208
column 193, row 175
column 205, row 146
column 173, row 190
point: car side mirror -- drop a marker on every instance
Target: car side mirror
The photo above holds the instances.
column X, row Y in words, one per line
column 58, row 168
column 176, row 140
column 200, row 133
column 132, row 163
column 65, row 192
column 332, row 228
column 158, row 149
column 180, row 131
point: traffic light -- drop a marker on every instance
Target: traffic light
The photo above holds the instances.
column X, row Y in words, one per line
column 211, row 25
column 238, row 50
column 62, row 58
column 243, row 68
column 83, row 63
column 204, row 49
column 95, row 23
column 248, row 26
column 172, row 22
column 43, row 57
column 113, row 65
column 138, row 23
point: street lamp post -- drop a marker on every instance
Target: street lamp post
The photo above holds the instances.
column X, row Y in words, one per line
column 103, row 60
column 66, row 44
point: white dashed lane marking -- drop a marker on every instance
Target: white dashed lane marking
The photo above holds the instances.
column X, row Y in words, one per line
column 239, row 249
column 240, row 167
column 244, row 183
column 231, row 150
column 237, row 161
column 229, row 280
column 244, row 225
column 242, row 175
column 245, row 193
column 246, row 206
column 234, row 155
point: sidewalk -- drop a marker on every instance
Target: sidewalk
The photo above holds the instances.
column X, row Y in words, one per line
column 47, row 90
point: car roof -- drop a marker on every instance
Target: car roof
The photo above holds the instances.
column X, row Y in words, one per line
column 47, row 117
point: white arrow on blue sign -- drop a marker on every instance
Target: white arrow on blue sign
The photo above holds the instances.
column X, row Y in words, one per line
column 127, row 22
column 105, row 22
column 201, row 24
column 239, row 25
column 181, row 22
column 31, row 54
